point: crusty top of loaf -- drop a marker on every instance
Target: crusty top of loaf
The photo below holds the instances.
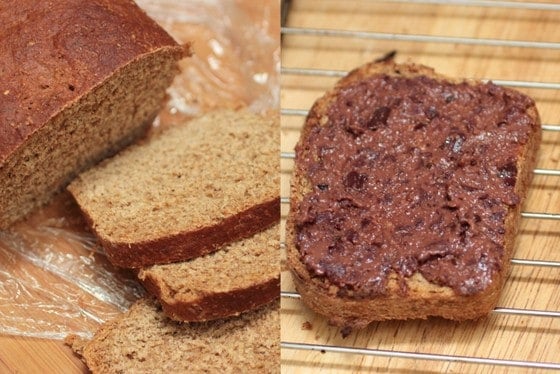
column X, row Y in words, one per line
column 53, row 52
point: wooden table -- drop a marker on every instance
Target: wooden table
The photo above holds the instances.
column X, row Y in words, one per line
column 500, row 336
column 26, row 355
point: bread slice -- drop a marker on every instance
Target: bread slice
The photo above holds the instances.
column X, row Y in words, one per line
column 144, row 340
column 239, row 277
column 80, row 80
column 406, row 195
column 185, row 192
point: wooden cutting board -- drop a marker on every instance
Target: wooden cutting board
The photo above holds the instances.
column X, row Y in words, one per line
column 499, row 336
column 25, row 355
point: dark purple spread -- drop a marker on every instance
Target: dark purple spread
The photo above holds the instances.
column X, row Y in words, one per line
column 411, row 175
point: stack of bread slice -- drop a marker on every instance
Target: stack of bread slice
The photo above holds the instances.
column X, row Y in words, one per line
column 195, row 209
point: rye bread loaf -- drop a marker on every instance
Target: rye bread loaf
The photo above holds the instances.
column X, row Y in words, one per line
column 79, row 81
column 186, row 191
column 239, row 277
column 144, row 340
column 406, row 195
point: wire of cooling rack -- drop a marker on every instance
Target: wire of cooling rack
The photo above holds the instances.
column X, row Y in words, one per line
column 341, row 73
column 525, row 215
column 421, row 356
column 420, row 38
column 485, row 3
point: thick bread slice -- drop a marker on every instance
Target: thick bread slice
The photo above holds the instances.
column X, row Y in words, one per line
column 144, row 340
column 80, row 80
column 239, row 277
column 185, row 192
column 408, row 294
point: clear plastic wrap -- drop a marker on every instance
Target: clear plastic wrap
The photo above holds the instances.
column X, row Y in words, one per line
column 54, row 279
column 236, row 59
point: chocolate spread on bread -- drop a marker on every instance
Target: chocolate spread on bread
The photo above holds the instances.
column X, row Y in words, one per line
column 411, row 175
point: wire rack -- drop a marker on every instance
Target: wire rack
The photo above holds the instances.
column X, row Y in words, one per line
column 304, row 38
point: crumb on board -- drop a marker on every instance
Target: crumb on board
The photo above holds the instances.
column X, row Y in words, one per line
column 307, row 326
column 345, row 331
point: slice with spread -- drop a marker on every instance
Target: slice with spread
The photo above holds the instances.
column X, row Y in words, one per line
column 406, row 194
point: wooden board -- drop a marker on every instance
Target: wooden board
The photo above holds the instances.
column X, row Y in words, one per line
column 26, row 355
column 499, row 336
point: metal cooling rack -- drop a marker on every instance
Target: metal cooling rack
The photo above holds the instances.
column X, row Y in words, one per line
column 525, row 215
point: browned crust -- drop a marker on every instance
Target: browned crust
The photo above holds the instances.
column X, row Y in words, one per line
column 424, row 299
column 191, row 244
column 55, row 56
column 215, row 305
column 122, row 34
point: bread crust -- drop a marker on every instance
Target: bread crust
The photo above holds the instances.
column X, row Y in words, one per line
column 55, row 57
column 214, row 305
column 45, row 31
column 424, row 299
column 191, row 244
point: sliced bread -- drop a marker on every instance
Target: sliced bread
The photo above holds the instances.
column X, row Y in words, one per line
column 186, row 191
column 144, row 340
column 239, row 277
column 406, row 195
column 80, row 80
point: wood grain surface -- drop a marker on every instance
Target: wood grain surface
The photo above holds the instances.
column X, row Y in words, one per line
column 511, row 337
column 26, row 355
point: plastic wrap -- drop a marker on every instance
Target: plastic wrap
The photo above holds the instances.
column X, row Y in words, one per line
column 54, row 279
column 236, row 59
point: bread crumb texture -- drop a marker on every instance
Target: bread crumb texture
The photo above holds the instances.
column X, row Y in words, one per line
column 64, row 108
column 143, row 340
column 237, row 266
column 191, row 176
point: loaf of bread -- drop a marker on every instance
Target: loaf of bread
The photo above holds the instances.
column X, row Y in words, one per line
column 406, row 195
column 144, row 340
column 185, row 192
column 79, row 81
column 239, row 277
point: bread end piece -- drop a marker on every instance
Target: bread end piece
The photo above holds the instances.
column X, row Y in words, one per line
column 80, row 92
